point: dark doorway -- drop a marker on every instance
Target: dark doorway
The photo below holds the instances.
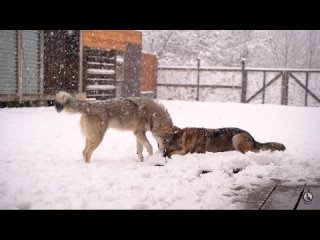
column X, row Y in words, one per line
column 61, row 61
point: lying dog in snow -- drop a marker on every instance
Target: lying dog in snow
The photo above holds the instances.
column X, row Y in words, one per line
column 201, row 140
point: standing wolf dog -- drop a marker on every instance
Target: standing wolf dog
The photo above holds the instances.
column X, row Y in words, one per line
column 201, row 140
column 136, row 114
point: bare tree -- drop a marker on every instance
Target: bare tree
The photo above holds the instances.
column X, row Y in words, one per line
column 163, row 48
column 265, row 48
column 313, row 48
column 287, row 48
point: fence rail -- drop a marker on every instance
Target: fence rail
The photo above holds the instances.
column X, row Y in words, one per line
column 285, row 75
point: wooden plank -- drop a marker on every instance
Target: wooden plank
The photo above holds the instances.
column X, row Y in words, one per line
column 221, row 69
column 111, row 39
column 195, row 85
column 102, row 80
column 121, row 36
column 256, row 198
column 7, row 98
column 103, row 76
column 198, row 78
column 306, row 93
column 125, row 36
column 315, row 203
column 263, row 88
column 98, row 52
column 100, row 65
column 284, row 197
column 284, row 88
column 282, row 69
column 306, row 89
column 100, row 59
column 104, row 44
column 93, row 83
column 244, row 82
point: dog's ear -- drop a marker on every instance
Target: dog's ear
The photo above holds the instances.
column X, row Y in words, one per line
column 175, row 129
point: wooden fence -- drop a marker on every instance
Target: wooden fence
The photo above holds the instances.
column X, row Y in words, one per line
column 280, row 74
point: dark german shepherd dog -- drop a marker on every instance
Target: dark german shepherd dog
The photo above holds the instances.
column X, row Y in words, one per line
column 201, row 140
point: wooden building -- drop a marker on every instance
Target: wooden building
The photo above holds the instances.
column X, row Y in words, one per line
column 148, row 76
column 100, row 64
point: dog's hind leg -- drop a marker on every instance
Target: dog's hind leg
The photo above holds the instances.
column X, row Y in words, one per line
column 243, row 142
column 141, row 137
column 91, row 144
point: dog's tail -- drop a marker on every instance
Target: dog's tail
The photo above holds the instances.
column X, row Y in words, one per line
column 64, row 101
column 273, row 146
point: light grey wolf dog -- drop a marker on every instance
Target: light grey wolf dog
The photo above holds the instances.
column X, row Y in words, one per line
column 201, row 140
column 136, row 114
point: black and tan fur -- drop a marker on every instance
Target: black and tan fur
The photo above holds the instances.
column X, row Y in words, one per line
column 201, row 140
column 135, row 114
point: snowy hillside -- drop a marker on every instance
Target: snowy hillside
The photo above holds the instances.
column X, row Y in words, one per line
column 41, row 162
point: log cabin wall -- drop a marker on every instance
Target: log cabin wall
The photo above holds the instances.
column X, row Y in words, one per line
column 60, row 58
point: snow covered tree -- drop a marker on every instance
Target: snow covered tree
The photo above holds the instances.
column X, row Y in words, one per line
column 261, row 48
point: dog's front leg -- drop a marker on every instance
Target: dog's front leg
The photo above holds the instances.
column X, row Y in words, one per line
column 142, row 139
column 160, row 143
column 139, row 150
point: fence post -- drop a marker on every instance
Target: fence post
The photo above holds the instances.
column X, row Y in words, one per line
column 80, row 85
column 41, row 72
column 244, row 81
column 20, row 66
column 284, row 88
column 198, row 78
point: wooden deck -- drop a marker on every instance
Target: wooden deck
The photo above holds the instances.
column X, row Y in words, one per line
column 277, row 195
column 282, row 196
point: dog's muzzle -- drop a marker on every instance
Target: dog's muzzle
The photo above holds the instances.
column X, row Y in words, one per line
column 59, row 107
column 166, row 153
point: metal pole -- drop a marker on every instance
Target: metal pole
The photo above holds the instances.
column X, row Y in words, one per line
column 198, row 78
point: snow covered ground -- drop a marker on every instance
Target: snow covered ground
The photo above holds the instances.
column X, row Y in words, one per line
column 41, row 164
